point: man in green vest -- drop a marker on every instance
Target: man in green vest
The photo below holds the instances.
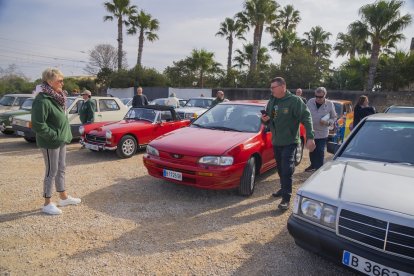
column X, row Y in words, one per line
column 87, row 110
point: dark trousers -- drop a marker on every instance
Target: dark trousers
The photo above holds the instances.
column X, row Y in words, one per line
column 284, row 156
column 317, row 156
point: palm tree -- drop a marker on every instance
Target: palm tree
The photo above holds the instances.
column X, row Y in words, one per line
column 316, row 40
column 256, row 14
column 383, row 24
column 243, row 57
column 145, row 25
column 203, row 62
column 283, row 31
column 119, row 9
column 230, row 29
column 353, row 42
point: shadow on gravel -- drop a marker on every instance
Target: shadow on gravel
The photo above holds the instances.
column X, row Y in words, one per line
column 19, row 215
column 172, row 217
column 282, row 256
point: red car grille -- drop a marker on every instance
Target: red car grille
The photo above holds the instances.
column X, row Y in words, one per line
column 95, row 139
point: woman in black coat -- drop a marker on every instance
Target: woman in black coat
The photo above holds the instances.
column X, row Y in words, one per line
column 362, row 109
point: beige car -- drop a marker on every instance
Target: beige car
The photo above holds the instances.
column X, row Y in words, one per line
column 107, row 109
column 13, row 101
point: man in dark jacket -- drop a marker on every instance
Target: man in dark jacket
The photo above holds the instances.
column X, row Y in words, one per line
column 284, row 113
column 219, row 98
column 87, row 111
column 139, row 99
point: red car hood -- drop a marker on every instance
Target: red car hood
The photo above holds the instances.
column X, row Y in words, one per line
column 194, row 141
column 120, row 126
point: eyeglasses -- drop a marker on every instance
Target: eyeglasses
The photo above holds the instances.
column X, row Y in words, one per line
column 272, row 87
column 61, row 81
column 319, row 97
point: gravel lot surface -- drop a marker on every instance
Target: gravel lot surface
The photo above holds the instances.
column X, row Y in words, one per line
column 132, row 224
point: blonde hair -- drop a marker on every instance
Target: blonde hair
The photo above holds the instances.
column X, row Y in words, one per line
column 50, row 74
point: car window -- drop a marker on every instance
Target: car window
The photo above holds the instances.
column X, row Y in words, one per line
column 141, row 114
column 108, row 105
column 69, row 102
column 382, row 141
column 75, row 109
column 27, row 104
column 166, row 116
column 338, row 109
column 242, row 118
column 20, row 101
column 400, row 110
column 7, row 100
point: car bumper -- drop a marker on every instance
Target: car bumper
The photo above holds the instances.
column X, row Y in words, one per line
column 96, row 147
column 24, row 132
column 331, row 246
column 213, row 177
column 4, row 127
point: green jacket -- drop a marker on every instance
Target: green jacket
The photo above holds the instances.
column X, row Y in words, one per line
column 286, row 114
column 50, row 123
column 87, row 112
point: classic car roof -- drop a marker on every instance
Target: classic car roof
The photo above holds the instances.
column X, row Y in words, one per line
column 405, row 117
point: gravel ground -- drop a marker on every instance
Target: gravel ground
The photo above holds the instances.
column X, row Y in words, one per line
column 132, row 224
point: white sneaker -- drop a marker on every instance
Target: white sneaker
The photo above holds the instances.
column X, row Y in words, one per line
column 51, row 209
column 69, row 201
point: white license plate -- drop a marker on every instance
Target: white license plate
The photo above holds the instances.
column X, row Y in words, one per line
column 172, row 174
column 20, row 133
column 369, row 267
column 92, row 147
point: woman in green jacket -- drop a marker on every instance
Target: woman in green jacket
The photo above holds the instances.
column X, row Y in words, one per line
column 51, row 125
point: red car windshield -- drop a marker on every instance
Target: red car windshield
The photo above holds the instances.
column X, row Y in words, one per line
column 232, row 117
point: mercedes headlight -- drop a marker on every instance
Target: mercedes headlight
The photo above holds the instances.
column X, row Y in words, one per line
column 315, row 211
column 216, row 160
column 152, row 151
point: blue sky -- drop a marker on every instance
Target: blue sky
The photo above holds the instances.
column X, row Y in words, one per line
column 35, row 34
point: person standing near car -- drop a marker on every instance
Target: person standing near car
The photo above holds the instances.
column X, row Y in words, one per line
column 87, row 110
column 362, row 110
column 51, row 125
column 139, row 99
column 173, row 101
column 219, row 98
column 284, row 112
column 323, row 116
column 299, row 94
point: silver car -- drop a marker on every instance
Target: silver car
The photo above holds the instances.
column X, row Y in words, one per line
column 358, row 209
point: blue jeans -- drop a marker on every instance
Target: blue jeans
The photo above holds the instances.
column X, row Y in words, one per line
column 317, row 156
column 285, row 162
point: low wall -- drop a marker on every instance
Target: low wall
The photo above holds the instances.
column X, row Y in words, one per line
column 380, row 100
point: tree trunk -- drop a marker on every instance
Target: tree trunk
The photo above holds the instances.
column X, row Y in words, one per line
column 373, row 64
column 229, row 54
column 120, row 43
column 256, row 45
column 201, row 78
column 140, row 46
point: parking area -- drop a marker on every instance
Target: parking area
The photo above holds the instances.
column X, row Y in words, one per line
column 132, row 224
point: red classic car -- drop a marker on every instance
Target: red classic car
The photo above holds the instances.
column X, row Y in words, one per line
column 139, row 127
column 224, row 148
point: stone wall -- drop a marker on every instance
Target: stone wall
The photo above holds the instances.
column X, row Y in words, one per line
column 380, row 100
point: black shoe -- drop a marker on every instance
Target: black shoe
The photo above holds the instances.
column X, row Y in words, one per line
column 309, row 169
column 278, row 193
column 284, row 205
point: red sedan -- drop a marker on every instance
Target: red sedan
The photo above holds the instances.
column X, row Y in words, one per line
column 139, row 127
column 224, row 148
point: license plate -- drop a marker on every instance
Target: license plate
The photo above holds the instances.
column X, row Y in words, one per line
column 172, row 174
column 369, row 267
column 20, row 133
column 92, row 147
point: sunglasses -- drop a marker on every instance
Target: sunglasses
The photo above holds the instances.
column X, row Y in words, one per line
column 319, row 97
